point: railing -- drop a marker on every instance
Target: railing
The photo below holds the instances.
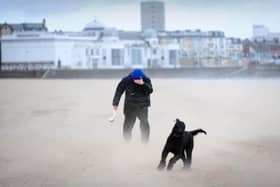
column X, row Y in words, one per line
column 45, row 74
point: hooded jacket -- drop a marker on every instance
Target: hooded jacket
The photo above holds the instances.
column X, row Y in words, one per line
column 135, row 95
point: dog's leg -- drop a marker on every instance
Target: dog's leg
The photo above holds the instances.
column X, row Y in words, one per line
column 184, row 159
column 189, row 158
column 163, row 158
column 173, row 160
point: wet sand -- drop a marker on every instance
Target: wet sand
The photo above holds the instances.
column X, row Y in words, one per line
column 55, row 133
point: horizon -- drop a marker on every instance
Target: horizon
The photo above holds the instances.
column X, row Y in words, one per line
column 235, row 19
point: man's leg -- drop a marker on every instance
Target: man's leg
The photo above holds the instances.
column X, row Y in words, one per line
column 144, row 124
column 129, row 121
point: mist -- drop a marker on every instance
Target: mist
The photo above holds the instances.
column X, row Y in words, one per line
column 56, row 133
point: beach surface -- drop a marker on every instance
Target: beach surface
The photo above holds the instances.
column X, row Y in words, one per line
column 55, row 133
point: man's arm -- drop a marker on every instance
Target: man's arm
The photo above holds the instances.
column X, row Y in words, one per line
column 118, row 93
column 148, row 86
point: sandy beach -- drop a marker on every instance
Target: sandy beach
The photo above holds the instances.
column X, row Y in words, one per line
column 55, row 133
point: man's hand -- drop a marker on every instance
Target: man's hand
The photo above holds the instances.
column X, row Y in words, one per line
column 139, row 81
column 113, row 117
column 115, row 107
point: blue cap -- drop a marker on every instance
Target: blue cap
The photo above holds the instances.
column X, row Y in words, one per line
column 137, row 74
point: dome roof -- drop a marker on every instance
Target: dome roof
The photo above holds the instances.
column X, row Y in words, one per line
column 94, row 25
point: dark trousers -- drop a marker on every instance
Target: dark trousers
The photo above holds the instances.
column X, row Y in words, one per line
column 131, row 113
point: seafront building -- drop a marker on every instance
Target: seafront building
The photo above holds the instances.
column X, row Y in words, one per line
column 95, row 47
column 28, row 46
column 98, row 46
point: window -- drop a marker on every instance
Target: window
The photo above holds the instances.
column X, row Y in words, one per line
column 172, row 57
column 221, row 43
column 97, row 52
column 117, row 57
column 136, row 56
column 154, row 51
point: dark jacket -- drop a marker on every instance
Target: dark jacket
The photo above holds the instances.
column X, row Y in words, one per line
column 135, row 95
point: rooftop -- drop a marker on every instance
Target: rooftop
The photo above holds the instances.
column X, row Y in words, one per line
column 94, row 25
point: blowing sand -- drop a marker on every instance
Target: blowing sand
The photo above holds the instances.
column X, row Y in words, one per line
column 56, row 133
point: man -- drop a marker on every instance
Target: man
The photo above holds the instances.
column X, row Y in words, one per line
column 137, row 87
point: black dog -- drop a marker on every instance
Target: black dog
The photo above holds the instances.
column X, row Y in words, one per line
column 179, row 142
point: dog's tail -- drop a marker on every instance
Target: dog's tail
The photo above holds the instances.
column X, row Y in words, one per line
column 197, row 131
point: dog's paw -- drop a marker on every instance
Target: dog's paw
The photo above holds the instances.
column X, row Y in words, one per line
column 186, row 167
column 169, row 168
column 161, row 166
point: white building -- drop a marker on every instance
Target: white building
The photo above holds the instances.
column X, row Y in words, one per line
column 261, row 33
column 37, row 50
column 139, row 51
column 234, row 49
column 197, row 47
column 94, row 47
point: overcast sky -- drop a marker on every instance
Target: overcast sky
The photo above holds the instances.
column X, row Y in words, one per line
column 234, row 17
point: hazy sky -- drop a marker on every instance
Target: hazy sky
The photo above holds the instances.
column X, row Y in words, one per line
column 234, row 17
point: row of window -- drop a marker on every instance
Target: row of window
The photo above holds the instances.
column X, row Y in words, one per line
column 96, row 52
column 137, row 57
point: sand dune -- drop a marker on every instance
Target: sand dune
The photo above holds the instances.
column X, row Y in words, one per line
column 56, row 133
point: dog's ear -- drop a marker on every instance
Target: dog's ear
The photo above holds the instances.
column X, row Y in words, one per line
column 179, row 122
